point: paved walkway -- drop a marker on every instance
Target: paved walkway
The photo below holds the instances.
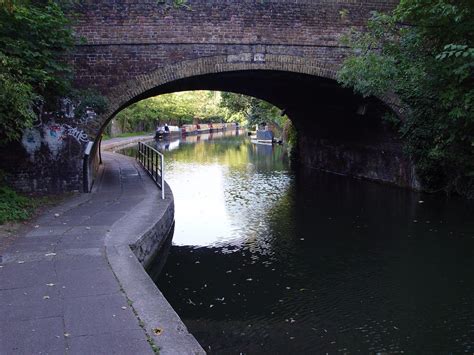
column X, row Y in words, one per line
column 59, row 293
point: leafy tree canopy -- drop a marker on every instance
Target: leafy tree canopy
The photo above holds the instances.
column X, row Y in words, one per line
column 252, row 110
column 34, row 36
column 423, row 53
column 197, row 106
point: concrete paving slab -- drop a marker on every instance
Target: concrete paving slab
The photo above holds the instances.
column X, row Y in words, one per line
column 42, row 308
column 48, row 231
column 80, row 242
column 27, row 244
column 66, row 221
column 84, row 263
column 117, row 343
column 26, row 295
column 87, row 230
column 35, row 336
column 25, row 256
column 78, row 283
column 106, row 218
column 95, row 315
column 15, row 275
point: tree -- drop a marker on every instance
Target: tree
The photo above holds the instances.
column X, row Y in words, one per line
column 34, row 37
column 178, row 108
column 251, row 110
column 423, row 53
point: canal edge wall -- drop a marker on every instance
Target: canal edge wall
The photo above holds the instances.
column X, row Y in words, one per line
column 117, row 143
column 130, row 246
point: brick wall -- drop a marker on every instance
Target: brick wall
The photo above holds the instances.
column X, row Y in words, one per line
column 134, row 49
column 125, row 39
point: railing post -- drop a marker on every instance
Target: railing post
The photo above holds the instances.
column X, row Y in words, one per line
column 153, row 162
column 162, row 166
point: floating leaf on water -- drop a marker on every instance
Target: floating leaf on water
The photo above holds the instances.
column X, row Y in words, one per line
column 191, row 302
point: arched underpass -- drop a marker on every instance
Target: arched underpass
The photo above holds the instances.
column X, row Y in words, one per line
column 338, row 131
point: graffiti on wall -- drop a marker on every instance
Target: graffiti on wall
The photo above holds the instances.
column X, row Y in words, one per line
column 31, row 140
column 78, row 134
column 53, row 130
column 53, row 135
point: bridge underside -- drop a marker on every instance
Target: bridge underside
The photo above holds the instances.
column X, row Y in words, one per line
column 338, row 131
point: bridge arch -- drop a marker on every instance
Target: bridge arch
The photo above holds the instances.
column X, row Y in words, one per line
column 161, row 80
column 141, row 86
column 332, row 137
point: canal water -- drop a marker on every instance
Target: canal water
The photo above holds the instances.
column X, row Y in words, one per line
column 267, row 260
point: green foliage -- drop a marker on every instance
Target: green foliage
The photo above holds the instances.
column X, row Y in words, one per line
column 34, row 36
column 89, row 99
column 252, row 111
column 16, row 100
column 423, row 53
column 198, row 106
column 13, row 207
column 177, row 108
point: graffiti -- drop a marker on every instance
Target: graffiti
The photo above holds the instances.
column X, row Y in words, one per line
column 31, row 140
column 76, row 133
column 59, row 132
column 53, row 136
column 47, row 132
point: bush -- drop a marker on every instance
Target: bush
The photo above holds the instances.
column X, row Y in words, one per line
column 14, row 207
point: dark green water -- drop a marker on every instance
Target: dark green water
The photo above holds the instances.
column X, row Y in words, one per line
column 269, row 261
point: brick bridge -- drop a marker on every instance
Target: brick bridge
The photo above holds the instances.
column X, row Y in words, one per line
column 284, row 51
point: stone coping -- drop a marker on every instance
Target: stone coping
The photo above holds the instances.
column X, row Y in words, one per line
column 149, row 223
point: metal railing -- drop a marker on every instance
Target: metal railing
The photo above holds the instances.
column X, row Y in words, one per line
column 154, row 164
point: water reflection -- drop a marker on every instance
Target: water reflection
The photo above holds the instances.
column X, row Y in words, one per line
column 215, row 182
column 270, row 261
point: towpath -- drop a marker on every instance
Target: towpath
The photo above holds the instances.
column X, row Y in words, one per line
column 71, row 284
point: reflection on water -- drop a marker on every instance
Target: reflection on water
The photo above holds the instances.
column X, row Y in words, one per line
column 270, row 261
